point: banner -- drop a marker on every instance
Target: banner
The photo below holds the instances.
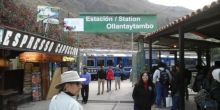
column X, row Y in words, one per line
column 74, row 24
column 19, row 40
column 48, row 14
column 119, row 22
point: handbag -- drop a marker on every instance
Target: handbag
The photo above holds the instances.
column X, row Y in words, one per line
column 204, row 100
column 201, row 95
column 208, row 104
column 169, row 101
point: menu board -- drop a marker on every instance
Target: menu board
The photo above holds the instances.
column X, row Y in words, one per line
column 36, row 85
column 27, row 89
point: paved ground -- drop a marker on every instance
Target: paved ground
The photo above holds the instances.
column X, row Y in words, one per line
column 114, row 100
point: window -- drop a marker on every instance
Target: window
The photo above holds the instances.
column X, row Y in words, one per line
column 129, row 62
column 90, row 63
column 100, row 62
column 109, row 62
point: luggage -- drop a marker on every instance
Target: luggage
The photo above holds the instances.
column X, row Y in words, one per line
column 204, row 101
column 208, row 104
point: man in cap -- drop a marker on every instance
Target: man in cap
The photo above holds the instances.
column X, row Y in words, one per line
column 85, row 85
column 69, row 87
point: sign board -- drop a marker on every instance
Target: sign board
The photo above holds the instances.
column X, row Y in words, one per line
column 119, row 22
column 74, row 24
column 48, row 14
column 19, row 40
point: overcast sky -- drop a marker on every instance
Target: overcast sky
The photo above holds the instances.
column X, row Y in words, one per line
column 191, row 4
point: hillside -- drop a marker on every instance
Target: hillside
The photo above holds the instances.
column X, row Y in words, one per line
column 116, row 40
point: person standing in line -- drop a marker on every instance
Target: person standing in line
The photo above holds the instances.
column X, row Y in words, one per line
column 85, row 85
column 161, row 79
column 175, row 88
column 109, row 78
column 117, row 75
column 143, row 93
column 101, row 79
column 69, row 87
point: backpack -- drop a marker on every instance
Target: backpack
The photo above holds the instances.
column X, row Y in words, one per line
column 164, row 77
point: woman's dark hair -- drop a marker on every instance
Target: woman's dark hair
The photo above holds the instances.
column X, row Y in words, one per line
column 140, row 82
column 61, row 88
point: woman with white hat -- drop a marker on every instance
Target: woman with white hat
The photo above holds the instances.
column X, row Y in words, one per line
column 69, row 86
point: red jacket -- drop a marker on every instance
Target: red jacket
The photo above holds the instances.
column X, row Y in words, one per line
column 109, row 74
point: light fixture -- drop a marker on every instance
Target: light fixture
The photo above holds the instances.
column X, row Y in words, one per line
column 3, row 62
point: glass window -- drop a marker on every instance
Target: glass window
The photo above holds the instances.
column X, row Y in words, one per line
column 90, row 63
column 109, row 62
column 129, row 62
column 100, row 62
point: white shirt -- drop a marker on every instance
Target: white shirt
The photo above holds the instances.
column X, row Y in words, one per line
column 62, row 101
column 156, row 75
column 216, row 74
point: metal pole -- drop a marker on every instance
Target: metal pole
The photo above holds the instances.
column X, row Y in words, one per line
column 175, row 57
column 78, row 54
column 208, row 58
column 150, row 55
column 181, row 56
column 132, row 41
column 159, row 55
column 199, row 57
column 46, row 28
column 61, row 67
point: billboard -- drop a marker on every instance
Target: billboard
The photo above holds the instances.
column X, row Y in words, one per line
column 48, row 14
column 74, row 24
column 119, row 22
column 23, row 41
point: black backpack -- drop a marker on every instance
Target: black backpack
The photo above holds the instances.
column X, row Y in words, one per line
column 164, row 77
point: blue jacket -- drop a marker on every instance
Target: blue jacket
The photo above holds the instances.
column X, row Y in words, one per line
column 118, row 73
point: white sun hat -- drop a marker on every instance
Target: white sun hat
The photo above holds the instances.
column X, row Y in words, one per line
column 216, row 74
column 69, row 76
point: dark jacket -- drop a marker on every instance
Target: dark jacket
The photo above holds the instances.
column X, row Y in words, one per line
column 101, row 74
column 215, row 92
column 143, row 98
column 175, row 83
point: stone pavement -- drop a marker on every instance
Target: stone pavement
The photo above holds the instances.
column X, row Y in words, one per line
column 114, row 100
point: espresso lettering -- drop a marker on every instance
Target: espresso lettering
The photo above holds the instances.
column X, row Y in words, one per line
column 51, row 46
column 16, row 40
column 7, row 38
column 42, row 44
column 24, row 40
column 46, row 46
column 30, row 42
column 61, row 47
column 57, row 48
column 36, row 43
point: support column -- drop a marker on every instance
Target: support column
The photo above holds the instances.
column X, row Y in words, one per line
column 199, row 57
column 150, row 56
column 208, row 57
column 159, row 55
column 175, row 57
column 181, row 56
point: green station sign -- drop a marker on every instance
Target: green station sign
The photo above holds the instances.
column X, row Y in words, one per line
column 119, row 22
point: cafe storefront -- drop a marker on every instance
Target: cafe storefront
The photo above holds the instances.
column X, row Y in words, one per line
column 27, row 63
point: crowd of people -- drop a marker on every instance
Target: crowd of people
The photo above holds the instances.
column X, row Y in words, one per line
column 151, row 88
column 163, row 82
